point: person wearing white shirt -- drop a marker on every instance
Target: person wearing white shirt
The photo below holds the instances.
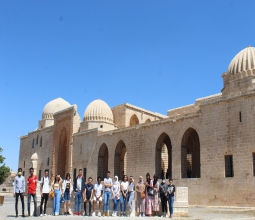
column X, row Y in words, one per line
column 44, row 189
column 98, row 193
column 18, row 191
column 67, row 189
column 124, row 195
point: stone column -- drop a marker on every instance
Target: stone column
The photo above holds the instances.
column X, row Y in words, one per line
column 181, row 201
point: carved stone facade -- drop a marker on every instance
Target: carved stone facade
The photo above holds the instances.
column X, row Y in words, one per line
column 207, row 146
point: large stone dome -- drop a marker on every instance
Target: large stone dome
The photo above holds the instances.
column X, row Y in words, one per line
column 53, row 107
column 98, row 110
column 243, row 62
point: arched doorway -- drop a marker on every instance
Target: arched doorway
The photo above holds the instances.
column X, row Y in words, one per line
column 163, row 160
column 134, row 120
column 190, row 154
column 120, row 160
column 102, row 164
column 62, row 151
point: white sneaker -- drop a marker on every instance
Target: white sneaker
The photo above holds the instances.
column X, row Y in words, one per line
column 93, row 214
column 41, row 215
column 99, row 214
column 143, row 215
column 45, row 214
column 140, row 215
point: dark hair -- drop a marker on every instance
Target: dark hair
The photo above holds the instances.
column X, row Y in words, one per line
column 90, row 178
column 31, row 169
column 170, row 179
column 147, row 174
column 124, row 177
column 20, row 169
column 46, row 170
column 56, row 179
column 68, row 175
column 80, row 170
column 108, row 171
column 99, row 177
column 155, row 175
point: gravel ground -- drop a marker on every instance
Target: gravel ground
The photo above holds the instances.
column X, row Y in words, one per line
column 7, row 212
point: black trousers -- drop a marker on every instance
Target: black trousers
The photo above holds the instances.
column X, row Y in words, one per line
column 163, row 202
column 44, row 199
column 85, row 203
column 17, row 195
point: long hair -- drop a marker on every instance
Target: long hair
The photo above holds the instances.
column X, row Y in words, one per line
column 68, row 175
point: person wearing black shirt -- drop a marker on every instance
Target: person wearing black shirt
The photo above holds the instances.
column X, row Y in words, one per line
column 170, row 192
column 163, row 196
column 88, row 195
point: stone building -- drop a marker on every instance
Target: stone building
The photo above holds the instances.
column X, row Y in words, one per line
column 207, row 146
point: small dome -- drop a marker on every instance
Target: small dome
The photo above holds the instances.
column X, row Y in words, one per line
column 53, row 107
column 98, row 110
column 244, row 61
column 34, row 156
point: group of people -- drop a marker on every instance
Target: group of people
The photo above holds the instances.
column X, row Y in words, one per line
column 150, row 193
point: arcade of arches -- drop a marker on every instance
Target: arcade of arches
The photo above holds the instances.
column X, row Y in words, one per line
column 190, row 157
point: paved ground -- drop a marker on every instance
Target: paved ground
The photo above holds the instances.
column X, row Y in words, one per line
column 195, row 213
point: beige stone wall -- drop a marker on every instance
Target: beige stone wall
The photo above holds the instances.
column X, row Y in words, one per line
column 44, row 151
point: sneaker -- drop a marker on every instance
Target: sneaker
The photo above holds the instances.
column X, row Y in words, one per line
column 113, row 214
column 74, row 213
column 85, row 214
column 16, row 216
column 45, row 214
column 143, row 215
column 79, row 213
column 68, row 213
column 99, row 214
column 41, row 215
column 93, row 214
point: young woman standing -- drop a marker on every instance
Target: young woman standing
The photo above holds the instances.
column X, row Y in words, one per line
column 124, row 195
column 67, row 189
column 155, row 201
column 130, row 194
column 140, row 202
column 115, row 195
column 56, row 185
column 149, row 195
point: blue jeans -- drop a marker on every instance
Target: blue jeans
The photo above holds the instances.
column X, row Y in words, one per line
column 67, row 196
column 106, row 200
column 78, row 198
column 123, row 200
column 130, row 199
column 171, row 204
column 115, row 204
column 56, row 202
column 29, row 201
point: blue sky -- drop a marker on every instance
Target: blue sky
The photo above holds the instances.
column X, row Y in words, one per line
column 157, row 55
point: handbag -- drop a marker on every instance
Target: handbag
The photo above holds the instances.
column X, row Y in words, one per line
column 142, row 195
column 151, row 192
column 52, row 194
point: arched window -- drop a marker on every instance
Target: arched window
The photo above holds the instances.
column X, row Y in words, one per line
column 163, row 162
column 41, row 141
column 148, row 120
column 33, row 143
column 48, row 161
column 37, row 140
column 134, row 120
column 102, row 164
column 190, row 154
column 120, row 160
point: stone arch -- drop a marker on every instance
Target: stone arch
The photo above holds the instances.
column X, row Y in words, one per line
column 134, row 120
column 62, row 153
column 190, row 154
column 120, row 159
column 163, row 156
column 147, row 120
column 102, row 164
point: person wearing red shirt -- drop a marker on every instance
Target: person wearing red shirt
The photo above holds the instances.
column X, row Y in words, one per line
column 31, row 185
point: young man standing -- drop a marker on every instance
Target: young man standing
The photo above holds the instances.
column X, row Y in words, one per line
column 44, row 189
column 18, row 190
column 170, row 191
column 79, row 186
column 98, row 193
column 88, row 195
column 107, row 193
column 31, row 185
